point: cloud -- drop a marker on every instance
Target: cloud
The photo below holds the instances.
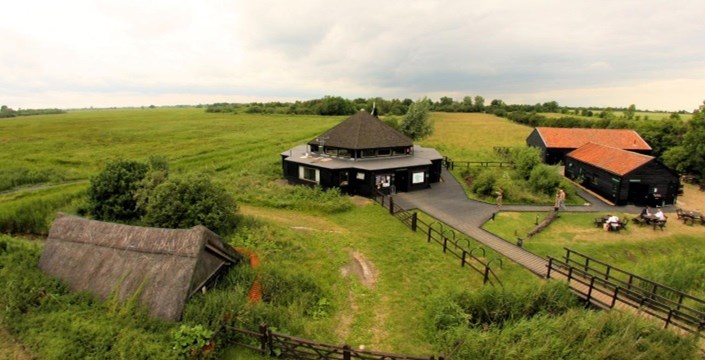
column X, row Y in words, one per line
column 310, row 48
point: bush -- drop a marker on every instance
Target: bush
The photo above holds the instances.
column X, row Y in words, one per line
column 484, row 183
column 544, row 179
column 189, row 201
column 525, row 159
column 112, row 193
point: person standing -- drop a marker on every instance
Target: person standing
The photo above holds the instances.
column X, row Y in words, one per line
column 560, row 200
column 500, row 195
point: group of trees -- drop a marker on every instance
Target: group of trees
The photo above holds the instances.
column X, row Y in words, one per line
column 327, row 106
column 7, row 112
column 140, row 193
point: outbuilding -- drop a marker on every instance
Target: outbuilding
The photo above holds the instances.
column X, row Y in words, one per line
column 555, row 143
column 622, row 176
column 163, row 267
column 363, row 155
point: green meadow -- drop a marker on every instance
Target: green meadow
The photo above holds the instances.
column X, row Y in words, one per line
column 417, row 300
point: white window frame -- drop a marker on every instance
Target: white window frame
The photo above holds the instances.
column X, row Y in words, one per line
column 302, row 174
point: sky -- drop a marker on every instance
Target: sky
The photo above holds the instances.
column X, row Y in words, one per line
column 104, row 53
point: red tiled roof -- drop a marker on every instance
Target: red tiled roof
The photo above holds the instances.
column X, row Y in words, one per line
column 573, row 138
column 616, row 161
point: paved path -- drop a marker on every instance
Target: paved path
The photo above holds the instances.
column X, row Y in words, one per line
column 447, row 202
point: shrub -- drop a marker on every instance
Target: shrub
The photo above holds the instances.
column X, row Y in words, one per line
column 525, row 160
column 189, row 201
column 484, row 183
column 112, row 193
column 544, row 179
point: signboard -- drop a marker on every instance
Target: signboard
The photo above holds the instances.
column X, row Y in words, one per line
column 417, row 178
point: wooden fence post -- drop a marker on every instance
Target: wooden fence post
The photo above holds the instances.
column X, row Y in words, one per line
column 346, row 352
column 462, row 262
column 429, row 233
column 550, row 265
column 445, row 243
column 487, row 275
column 391, row 205
column 616, row 295
column 668, row 320
column 589, row 294
column 263, row 338
column 414, row 218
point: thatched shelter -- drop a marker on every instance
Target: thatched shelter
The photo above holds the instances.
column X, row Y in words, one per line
column 165, row 266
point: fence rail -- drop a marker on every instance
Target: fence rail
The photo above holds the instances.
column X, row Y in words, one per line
column 271, row 343
column 451, row 164
column 440, row 234
column 673, row 307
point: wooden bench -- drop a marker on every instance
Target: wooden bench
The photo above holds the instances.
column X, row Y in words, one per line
column 660, row 224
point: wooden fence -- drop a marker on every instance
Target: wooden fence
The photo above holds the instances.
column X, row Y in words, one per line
column 451, row 164
column 604, row 285
column 269, row 343
column 436, row 232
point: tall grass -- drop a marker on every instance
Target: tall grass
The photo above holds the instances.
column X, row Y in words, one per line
column 31, row 212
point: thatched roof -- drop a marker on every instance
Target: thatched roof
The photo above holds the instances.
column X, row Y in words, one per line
column 166, row 265
column 362, row 131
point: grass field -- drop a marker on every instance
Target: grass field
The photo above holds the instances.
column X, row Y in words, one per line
column 306, row 241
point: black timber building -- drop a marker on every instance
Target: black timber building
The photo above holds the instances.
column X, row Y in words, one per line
column 363, row 155
column 622, row 176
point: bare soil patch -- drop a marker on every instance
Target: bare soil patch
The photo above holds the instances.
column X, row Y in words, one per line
column 10, row 348
column 360, row 267
column 360, row 201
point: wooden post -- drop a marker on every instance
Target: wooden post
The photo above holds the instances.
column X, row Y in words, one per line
column 653, row 291
column 445, row 243
column 629, row 284
column 346, row 352
column 391, row 205
column 550, row 265
column 668, row 319
column 614, row 298
column 487, row 275
column 263, row 338
column 680, row 302
column 607, row 273
column 587, row 263
column 414, row 218
column 429, row 233
column 462, row 261
column 589, row 294
column 570, row 274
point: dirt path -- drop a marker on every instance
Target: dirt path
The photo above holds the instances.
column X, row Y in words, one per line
column 10, row 348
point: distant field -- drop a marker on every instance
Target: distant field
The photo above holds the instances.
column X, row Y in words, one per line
column 472, row 137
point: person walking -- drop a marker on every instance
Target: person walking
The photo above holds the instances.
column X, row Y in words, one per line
column 560, row 200
column 499, row 197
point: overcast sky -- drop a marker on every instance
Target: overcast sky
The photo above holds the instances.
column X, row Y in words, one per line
column 100, row 53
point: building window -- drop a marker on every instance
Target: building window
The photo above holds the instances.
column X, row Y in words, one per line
column 344, row 178
column 399, row 151
column 309, row 174
column 384, row 152
column 314, row 148
column 343, row 152
column 369, row 153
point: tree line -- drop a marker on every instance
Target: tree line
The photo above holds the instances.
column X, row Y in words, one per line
column 7, row 112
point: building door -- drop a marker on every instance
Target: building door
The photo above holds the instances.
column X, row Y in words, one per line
column 638, row 193
column 401, row 180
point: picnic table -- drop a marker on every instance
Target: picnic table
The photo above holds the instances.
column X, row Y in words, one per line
column 650, row 219
column 690, row 216
column 620, row 225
